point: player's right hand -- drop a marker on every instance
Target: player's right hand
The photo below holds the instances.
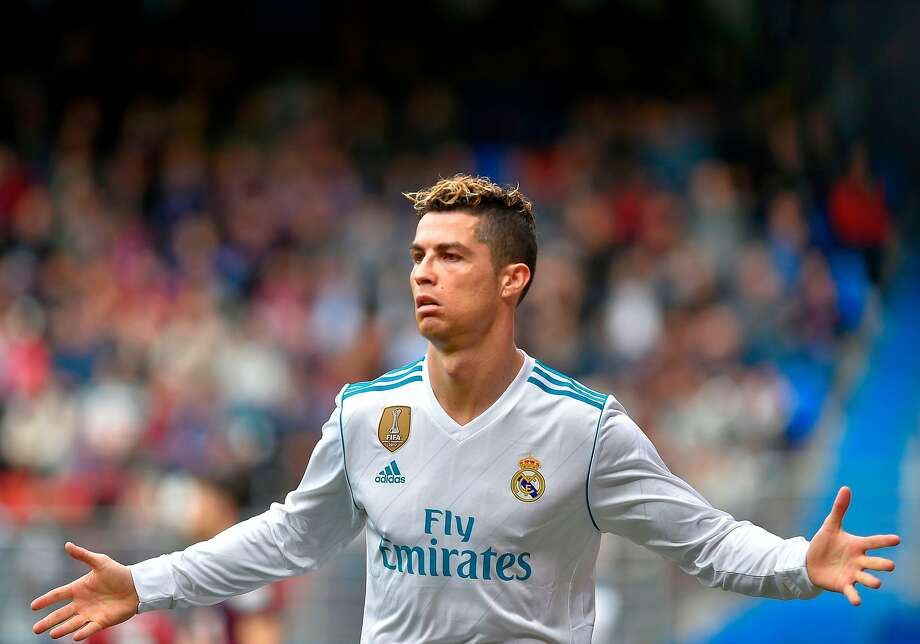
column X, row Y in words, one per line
column 103, row 597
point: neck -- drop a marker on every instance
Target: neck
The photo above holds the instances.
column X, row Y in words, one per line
column 466, row 381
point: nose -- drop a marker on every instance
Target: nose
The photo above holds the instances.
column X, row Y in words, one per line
column 422, row 272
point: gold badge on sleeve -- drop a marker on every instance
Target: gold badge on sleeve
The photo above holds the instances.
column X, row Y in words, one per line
column 394, row 425
column 528, row 484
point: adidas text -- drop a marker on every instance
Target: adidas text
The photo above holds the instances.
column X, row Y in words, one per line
column 389, row 479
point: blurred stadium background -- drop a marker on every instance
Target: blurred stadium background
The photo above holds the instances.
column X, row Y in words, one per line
column 202, row 237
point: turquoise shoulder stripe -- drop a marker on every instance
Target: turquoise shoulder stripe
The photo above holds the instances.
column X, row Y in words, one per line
column 574, row 382
column 564, row 392
column 381, row 387
column 567, row 384
column 398, row 371
column 382, row 379
column 405, row 366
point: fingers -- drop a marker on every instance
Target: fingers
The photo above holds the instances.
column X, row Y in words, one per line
column 880, row 541
column 850, row 591
column 876, row 563
column 54, row 618
column 69, row 626
column 834, row 520
column 87, row 631
column 91, row 559
column 867, row 580
column 52, row 597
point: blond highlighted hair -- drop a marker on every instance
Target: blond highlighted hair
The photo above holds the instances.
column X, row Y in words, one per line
column 463, row 192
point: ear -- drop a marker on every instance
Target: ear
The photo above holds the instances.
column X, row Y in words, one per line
column 513, row 279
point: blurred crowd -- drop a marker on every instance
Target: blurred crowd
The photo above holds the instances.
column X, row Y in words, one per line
column 179, row 305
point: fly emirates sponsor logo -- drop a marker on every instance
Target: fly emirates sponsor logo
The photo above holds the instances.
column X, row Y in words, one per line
column 437, row 560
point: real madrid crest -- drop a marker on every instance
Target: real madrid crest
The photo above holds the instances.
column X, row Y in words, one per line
column 528, row 484
column 393, row 429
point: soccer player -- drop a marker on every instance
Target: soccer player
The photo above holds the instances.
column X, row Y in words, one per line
column 483, row 477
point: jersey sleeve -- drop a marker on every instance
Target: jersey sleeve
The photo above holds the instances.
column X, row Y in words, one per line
column 313, row 524
column 632, row 493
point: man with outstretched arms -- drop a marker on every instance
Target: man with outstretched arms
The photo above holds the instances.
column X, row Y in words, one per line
column 484, row 479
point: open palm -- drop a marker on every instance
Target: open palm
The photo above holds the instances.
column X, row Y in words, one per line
column 837, row 560
column 103, row 597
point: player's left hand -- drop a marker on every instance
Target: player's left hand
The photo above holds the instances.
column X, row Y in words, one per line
column 837, row 560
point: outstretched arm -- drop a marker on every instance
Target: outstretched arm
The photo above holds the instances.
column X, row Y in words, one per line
column 315, row 521
column 838, row 561
column 103, row 597
column 631, row 492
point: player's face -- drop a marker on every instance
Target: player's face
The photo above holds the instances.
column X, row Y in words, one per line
column 454, row 286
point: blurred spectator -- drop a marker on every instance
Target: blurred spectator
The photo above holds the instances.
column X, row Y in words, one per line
column 858, row 212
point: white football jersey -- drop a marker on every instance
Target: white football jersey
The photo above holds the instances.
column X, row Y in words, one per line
column 485, row 532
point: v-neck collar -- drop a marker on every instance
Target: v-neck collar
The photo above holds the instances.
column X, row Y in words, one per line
column 504, row 402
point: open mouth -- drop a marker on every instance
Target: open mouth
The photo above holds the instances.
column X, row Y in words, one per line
column 425, row 304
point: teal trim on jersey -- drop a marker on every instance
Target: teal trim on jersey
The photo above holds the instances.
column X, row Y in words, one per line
column 382, row 387
column 406, row 366
column 569, row 384
column 590, row 463
column 392, row 374
column 358, row 386
column 580, row 387
column 344, row 460
column 563, row 392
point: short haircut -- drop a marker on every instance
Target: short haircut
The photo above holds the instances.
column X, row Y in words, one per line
column 506, row 226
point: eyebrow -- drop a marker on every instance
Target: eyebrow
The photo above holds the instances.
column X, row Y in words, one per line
column 443, row 247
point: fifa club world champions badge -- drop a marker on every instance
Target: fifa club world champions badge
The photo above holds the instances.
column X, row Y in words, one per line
column 393, row 429
column 528, row 484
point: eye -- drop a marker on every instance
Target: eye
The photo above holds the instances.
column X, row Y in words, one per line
column 451, row 257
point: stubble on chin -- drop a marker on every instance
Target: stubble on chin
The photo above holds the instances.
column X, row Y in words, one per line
column 426, row 327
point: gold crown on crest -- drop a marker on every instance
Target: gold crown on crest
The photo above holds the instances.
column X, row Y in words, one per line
column 529, row 463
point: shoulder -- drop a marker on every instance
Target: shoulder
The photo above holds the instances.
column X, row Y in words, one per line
column 558, row 388
column 399, row 378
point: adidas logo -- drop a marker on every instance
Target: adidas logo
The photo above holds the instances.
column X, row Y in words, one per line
column 390, row 474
